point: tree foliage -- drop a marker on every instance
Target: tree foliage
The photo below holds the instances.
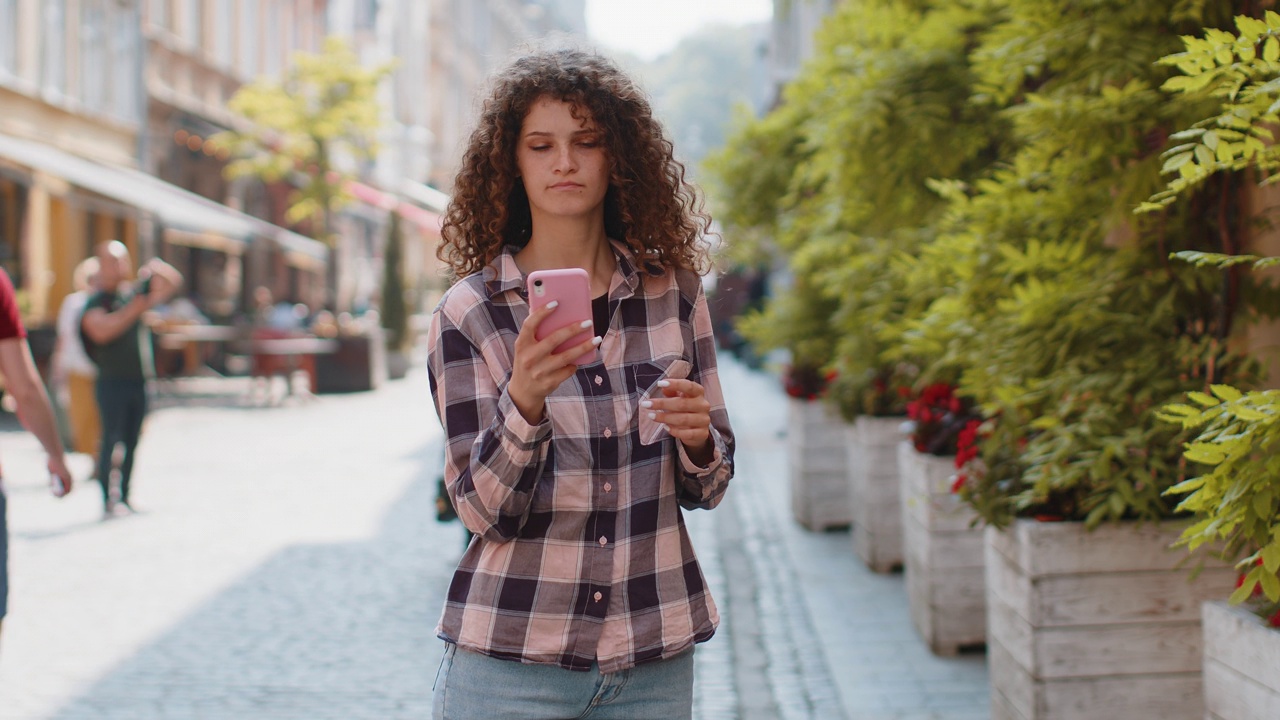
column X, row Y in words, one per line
column 975, row 164
column 395, row 308
column 314, row 127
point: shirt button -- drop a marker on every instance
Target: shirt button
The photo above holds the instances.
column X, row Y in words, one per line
column 604, row 540
column 608, row 487
column 608, row 433
column 598, row 596
column 599, row 380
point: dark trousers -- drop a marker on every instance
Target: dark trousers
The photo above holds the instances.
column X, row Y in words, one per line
column 122, row 405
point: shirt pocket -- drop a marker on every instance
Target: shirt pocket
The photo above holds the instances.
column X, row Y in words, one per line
column 647, row 375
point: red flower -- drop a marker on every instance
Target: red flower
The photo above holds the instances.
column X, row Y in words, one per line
column 958, row 483
column 1274, row 620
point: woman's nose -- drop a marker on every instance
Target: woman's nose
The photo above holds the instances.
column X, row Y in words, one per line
column 565, row 162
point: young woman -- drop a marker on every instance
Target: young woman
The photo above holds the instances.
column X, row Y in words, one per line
column 580, row 595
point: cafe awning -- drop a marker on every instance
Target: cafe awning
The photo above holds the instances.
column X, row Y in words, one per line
column 187, row 218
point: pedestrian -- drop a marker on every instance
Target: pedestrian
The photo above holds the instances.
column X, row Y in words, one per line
column 117, row 339
column 579, row 595
column 73, row 372
column 23, row 383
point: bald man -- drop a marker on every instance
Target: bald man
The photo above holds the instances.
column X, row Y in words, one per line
column 119, row 344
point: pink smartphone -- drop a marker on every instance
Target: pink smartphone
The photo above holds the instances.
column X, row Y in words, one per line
column 571, row 287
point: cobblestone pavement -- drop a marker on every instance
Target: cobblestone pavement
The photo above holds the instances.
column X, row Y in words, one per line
column 286, row 564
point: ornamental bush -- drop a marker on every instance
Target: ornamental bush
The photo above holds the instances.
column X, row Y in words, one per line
column 1235, row 450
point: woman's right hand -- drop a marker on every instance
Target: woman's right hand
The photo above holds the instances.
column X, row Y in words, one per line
column 537, row 369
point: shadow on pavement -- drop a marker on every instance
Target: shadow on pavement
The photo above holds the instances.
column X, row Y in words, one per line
column 317, row 631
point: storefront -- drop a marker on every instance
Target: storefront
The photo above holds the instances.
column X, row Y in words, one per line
column 55, row 206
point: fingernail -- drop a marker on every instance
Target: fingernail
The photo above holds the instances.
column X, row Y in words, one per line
column 553, row 304
column 597, row 340
column 646, row 404
column 587, row 323
column 653, row 416
column 664, row 383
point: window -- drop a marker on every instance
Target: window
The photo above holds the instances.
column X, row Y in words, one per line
column 95, row 63
column 223, row 26
column 126, row 36
column 53, row 65
column 160, row 15
column 192, row 22
column 13, row 202
column 249, row 39
column 9, row 37
column 275, row 31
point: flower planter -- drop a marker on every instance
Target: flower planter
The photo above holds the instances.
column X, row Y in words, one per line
column 819, row 490
column 942, row 555
column 874, row 495
column 1101, row 624
column 1241, row 665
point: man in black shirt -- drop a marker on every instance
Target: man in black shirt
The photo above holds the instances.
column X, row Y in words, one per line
column 117, row 340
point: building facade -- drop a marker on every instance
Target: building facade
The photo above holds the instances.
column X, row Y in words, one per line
column 68, row 89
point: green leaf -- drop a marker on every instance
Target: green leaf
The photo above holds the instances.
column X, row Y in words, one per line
column 1203, row 399
column 1271, row 557
column 1270, row 585
column 1226, row 392
column 1245, row 591
column 1176, row 162
column 1205, row 454
column 1271, row 48
column 1180, row 409
column 1262, row 504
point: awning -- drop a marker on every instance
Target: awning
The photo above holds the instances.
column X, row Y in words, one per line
column 427, row 221
column 187, row 218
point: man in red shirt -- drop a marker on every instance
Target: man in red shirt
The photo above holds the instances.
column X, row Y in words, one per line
column 22, row 381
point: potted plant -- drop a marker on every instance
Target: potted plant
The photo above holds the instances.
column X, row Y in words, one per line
column 875, row 402
column 815, row 436
column 1236, row 494
column 942, row 542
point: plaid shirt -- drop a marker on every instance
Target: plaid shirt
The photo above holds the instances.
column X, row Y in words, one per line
column 581, row 553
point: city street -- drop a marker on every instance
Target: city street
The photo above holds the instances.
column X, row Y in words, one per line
column 287, row 565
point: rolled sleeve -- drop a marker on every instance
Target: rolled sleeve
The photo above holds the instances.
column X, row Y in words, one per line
column 493, row 455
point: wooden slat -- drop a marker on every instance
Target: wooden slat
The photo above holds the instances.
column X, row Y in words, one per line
column 1229, row 694
column 1240, row 642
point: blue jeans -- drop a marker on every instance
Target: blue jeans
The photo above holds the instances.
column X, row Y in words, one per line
column 471, row 686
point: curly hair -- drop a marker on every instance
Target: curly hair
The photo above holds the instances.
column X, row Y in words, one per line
column 649, row 205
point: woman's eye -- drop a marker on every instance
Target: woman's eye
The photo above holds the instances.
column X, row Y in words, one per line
column 539, row 147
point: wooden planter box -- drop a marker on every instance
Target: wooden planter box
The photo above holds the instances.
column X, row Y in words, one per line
column 1087, row 625
column 819, row 490
column 874, row 495
column 942, row 555
column 1241, row 665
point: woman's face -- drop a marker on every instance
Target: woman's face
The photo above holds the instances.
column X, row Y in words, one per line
column 562, row 161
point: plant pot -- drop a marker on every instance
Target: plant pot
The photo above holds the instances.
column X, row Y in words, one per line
column 874, row 496
column 942, row 555
column 357, row 365
column 1241, row 665
column 397, row 364
column 1101, row 624
column 819, row 491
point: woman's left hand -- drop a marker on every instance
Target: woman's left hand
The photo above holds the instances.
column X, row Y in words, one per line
column 687, row 414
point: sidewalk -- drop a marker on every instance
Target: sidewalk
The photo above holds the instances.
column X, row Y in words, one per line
column 811, row 592
column 288, row 566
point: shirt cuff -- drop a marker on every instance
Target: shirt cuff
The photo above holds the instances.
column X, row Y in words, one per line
column 516, row 428
column 691, row 468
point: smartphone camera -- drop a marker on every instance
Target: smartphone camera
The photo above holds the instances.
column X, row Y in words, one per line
column 537, row 288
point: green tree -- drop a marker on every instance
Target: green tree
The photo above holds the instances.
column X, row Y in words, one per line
column 395, row 311
column 313, row 128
